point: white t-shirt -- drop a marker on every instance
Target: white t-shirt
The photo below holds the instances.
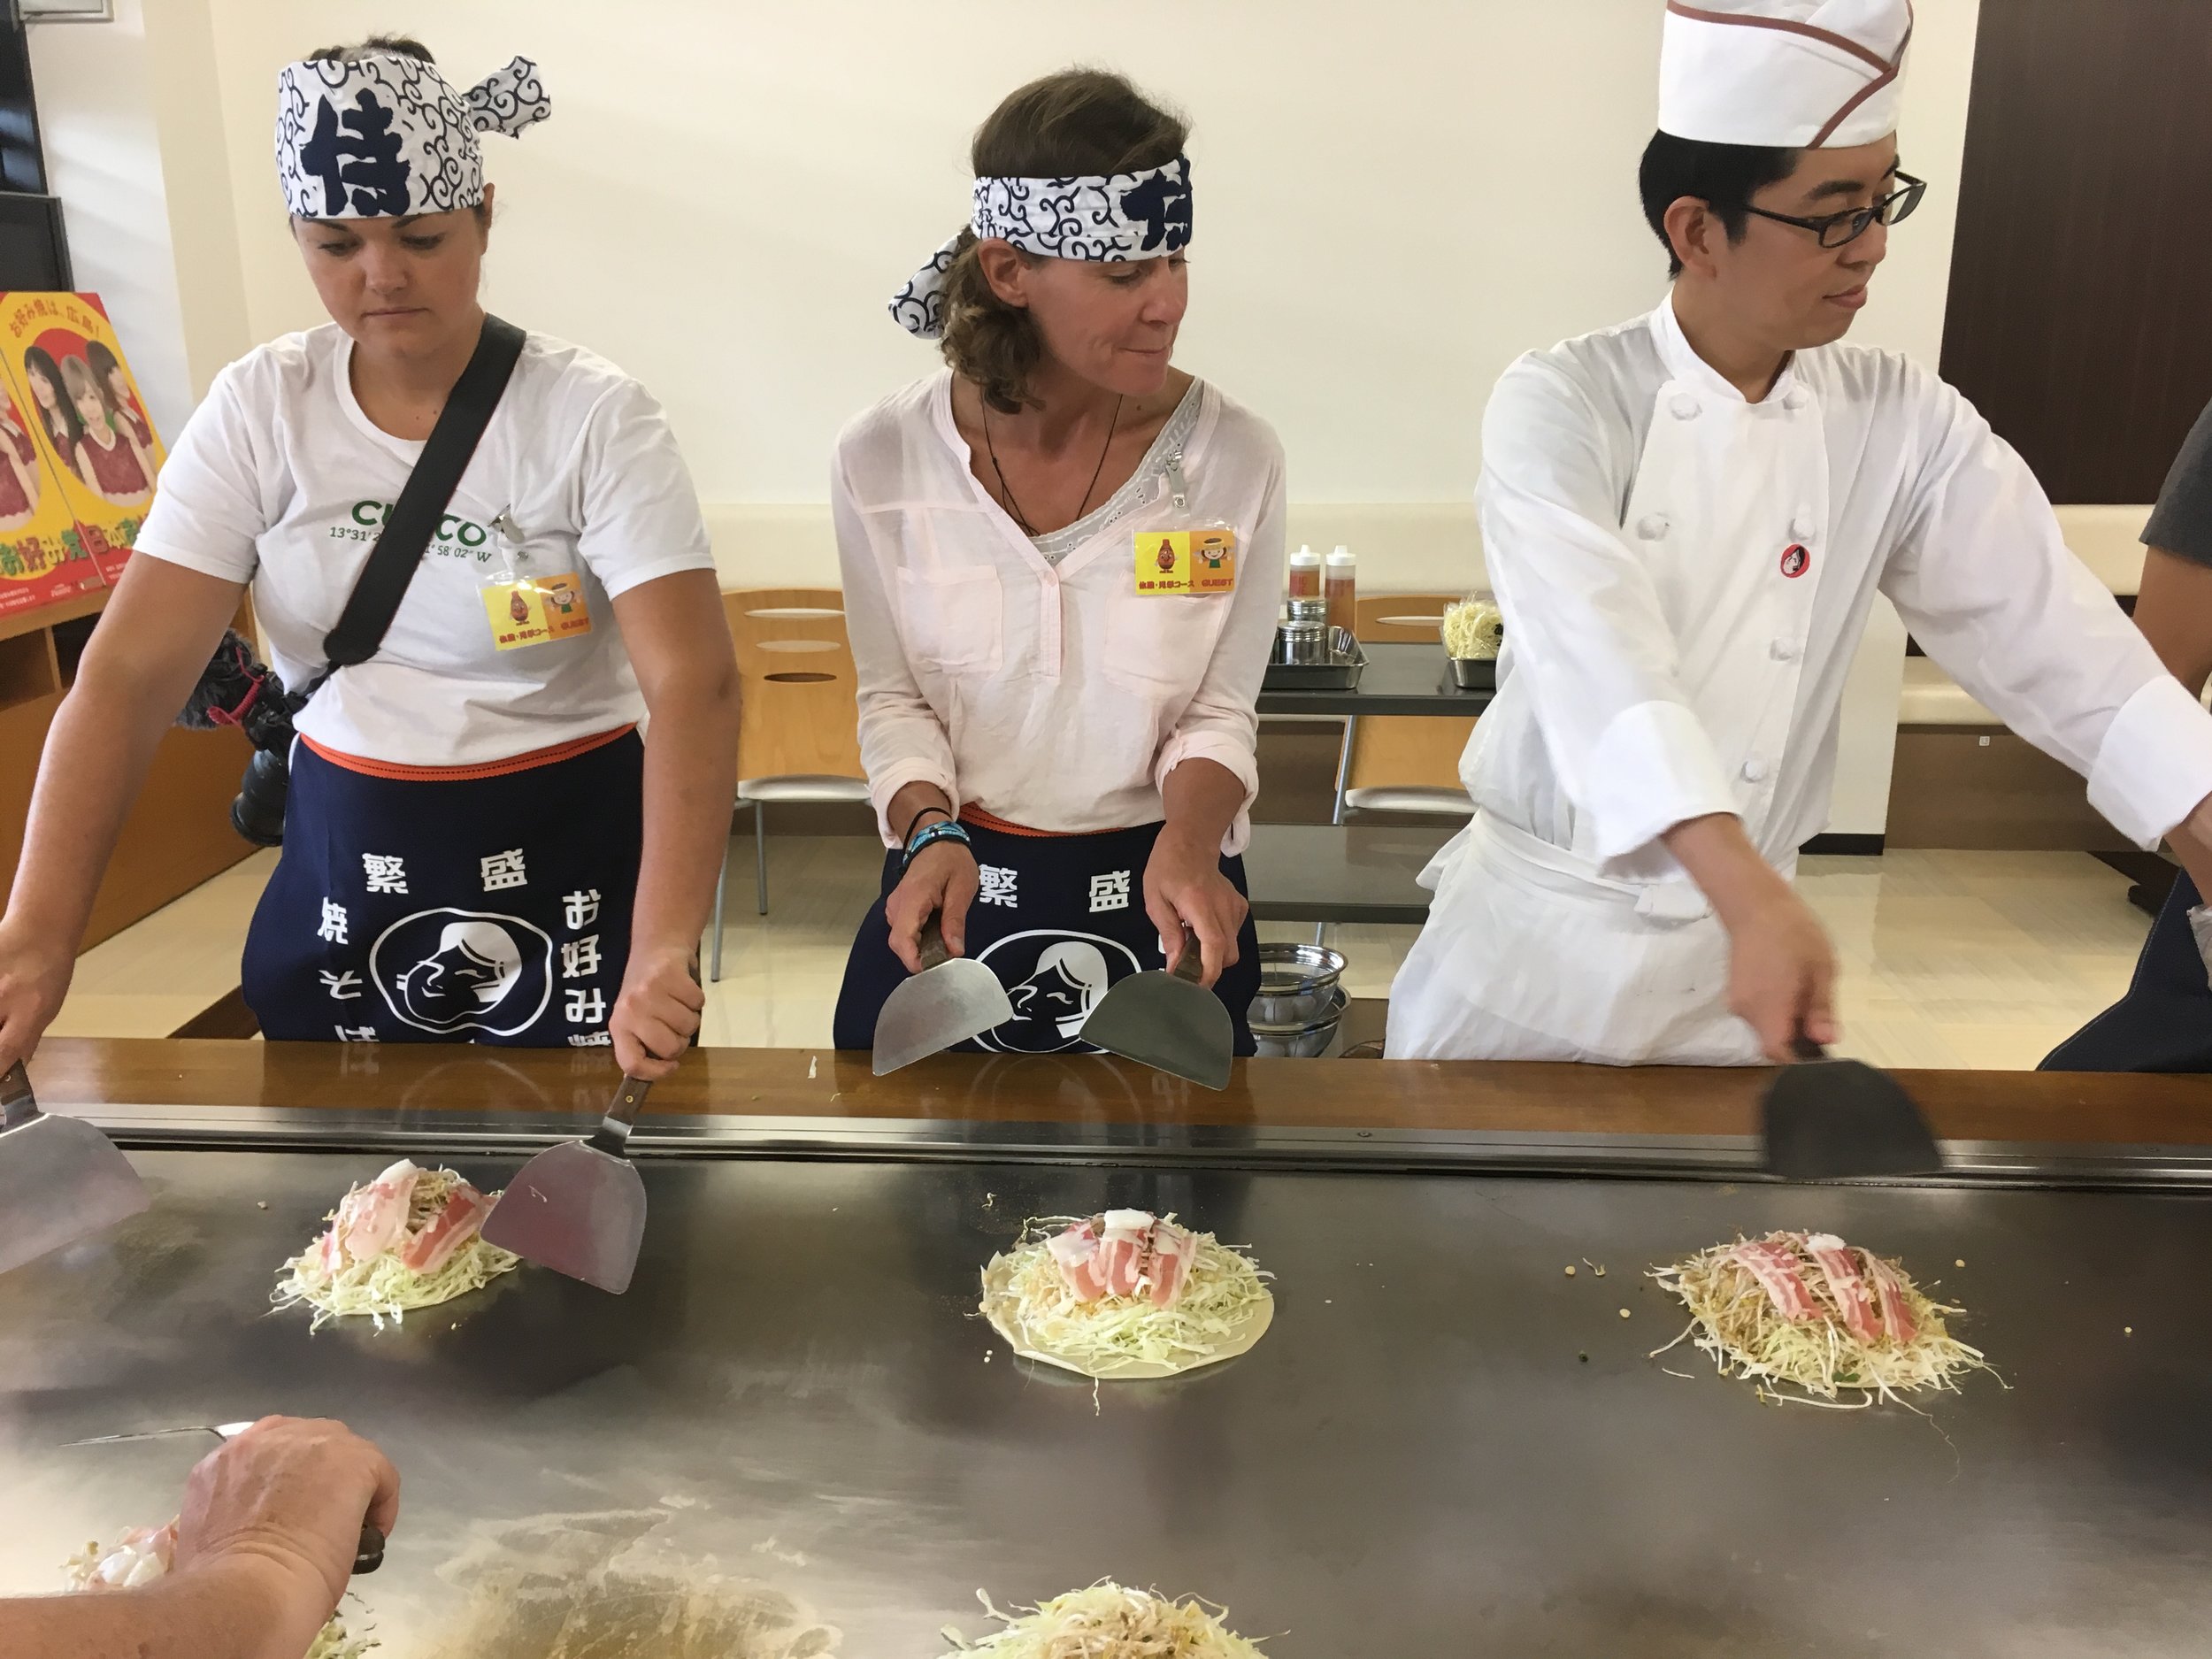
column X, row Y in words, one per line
column 280, row 479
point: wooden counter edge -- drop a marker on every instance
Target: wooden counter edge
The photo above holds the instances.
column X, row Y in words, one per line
column 1461, row 1096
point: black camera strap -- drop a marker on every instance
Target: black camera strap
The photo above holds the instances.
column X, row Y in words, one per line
column 422, row 502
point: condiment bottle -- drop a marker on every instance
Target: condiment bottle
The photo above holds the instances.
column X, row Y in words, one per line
column 1341, row 589
column 1305, row 574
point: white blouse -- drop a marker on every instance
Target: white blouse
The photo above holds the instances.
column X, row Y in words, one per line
column 1051, row 693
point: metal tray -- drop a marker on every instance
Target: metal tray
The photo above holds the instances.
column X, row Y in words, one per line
column 1340, row 673
column 794, row 1431
column 1475, row 673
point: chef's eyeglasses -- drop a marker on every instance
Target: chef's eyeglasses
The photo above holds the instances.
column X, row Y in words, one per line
column 1835, row 229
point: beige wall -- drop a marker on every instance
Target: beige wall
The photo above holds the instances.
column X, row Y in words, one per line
column 1395, row 198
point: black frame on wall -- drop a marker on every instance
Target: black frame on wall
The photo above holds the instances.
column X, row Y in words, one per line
column 34, row 239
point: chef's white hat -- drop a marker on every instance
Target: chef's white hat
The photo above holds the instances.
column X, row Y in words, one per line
column 1788, row 73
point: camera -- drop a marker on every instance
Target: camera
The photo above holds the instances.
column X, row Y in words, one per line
column 238, row 689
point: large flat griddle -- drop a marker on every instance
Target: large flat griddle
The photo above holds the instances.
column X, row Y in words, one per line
column 791, row 1418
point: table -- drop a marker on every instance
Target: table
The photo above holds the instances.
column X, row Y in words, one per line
column 788, row 1428
column 1398, row 680
column 1328, row 872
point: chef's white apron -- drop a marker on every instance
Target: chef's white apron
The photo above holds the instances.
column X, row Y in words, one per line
column 1529, row 953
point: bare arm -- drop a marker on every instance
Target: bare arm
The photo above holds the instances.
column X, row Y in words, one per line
column 679, row 643
column 944, row 880
column 264, row 1547
column 225, row 1611
column 1781, row 971
column 142, row 661
column 1183, row 883
column 2173, row 608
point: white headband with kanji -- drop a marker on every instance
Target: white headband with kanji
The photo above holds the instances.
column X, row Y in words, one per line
column 1111, row 218
column 386, row 136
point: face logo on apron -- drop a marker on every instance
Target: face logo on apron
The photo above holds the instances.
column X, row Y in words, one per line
column 1165, row 558
column 446, row 971
column 1054, row 980
column 1795, row 560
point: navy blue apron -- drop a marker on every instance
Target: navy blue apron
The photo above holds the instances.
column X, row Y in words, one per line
column 2164, row 1022
column 474, row 909
column 1059, row 919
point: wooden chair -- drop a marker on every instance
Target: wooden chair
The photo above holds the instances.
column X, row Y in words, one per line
column 1403, row 763
column 798, row 737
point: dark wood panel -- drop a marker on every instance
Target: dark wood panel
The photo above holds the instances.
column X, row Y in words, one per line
column 1966, row 787
column 2034, row 1106
column 2077, row 318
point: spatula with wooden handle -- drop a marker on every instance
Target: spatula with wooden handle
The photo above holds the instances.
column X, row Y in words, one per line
column 1168, row 1021
column 368, row 1555
column 579, row 1208
column 1827, row 1119
column 950, row 1000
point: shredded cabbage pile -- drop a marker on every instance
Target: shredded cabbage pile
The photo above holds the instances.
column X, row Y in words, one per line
column 1473, row 629
column 140, row 1557
column 381, row 1288
column 1222, row 1296
column 1109, row 1622
column 1732, row 1318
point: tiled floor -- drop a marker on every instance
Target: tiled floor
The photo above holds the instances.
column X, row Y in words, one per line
column 1949, row 958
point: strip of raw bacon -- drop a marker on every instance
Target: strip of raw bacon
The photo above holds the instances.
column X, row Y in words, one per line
column 1174, row 1250
column 1897, row 1319
column 372, row 1218
column 1128, row 1238
column 1775, row 1267
column 1076, row 1254
column 460, row 1219
column 1839, row 1266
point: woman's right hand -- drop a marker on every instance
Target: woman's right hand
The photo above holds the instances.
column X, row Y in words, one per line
column 943, row 879
column 35, row 975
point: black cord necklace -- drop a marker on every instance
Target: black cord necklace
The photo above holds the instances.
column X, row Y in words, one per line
column 1007, row 490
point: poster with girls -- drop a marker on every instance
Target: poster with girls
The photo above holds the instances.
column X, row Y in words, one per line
column 73, row 389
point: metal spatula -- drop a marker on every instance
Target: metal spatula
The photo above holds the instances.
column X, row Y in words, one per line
column 1826, row 1119
column 1168, row 1021
column 950, row 1000
column 579, row 1208
column 60, row 1179
column 368, row 1555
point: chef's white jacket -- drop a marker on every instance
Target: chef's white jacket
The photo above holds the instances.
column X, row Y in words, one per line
column 1685, row 577
column 1052, row 694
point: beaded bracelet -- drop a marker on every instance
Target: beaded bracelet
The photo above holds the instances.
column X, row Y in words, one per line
column 950, row 831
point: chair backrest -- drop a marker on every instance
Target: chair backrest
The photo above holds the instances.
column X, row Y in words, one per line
column 1402, row 618
column 795, row 666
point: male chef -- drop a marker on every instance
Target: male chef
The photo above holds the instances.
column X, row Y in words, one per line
column 1686, row 518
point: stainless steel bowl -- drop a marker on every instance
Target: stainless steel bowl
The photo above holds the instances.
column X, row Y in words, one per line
column 1475, row 673
column 1298, row 985
column 1307, row 1039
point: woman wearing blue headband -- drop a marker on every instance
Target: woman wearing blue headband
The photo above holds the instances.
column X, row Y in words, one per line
column 1062, row 561
column 478, row 844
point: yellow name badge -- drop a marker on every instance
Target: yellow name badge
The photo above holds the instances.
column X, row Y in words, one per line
column 1186, row 562
column 535, row 610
